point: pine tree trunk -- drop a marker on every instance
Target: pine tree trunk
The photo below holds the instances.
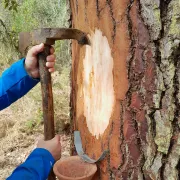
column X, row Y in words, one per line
column 125, row 87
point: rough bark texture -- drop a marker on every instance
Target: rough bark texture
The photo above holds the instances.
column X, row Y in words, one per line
column 142, row 135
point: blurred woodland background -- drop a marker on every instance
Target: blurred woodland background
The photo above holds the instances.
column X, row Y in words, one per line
column 21, row 124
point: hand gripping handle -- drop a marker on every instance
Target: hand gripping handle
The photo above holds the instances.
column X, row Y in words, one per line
column 47, row 98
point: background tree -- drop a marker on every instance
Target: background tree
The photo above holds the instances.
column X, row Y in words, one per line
column 125, row 87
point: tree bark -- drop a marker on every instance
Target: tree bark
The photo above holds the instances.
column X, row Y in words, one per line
column 125, row 87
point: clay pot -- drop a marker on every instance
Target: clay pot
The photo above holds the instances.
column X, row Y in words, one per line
column 74, row 168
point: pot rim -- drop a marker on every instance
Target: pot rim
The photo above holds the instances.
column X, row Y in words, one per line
column 56, row 172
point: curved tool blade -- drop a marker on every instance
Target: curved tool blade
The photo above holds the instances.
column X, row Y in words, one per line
column 80, row 151
column 48, row 36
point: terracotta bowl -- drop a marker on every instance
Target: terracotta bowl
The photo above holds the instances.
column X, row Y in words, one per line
column 74, row 168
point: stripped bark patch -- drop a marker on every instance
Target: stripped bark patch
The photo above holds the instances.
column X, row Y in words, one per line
column 98, row 84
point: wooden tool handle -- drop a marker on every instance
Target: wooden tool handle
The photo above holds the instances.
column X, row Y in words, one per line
column 47, row 98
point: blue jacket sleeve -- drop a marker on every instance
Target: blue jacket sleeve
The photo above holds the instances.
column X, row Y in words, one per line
column 37, row 166
column 15, row 83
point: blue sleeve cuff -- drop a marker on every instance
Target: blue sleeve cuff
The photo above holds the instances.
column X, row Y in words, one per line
column 17, row 66
column 37, row 166
column 47, row 158
column 45, row 154
column 20, row 66
column 15, row 74
column 15, row 83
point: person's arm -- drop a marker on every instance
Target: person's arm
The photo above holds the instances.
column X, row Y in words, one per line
column 37, row 166
column 40, row 162
column 22, row 76
column 15, row 83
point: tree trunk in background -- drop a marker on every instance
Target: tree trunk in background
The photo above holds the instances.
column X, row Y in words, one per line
column 125, row 86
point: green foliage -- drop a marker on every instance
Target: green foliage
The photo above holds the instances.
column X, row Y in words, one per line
column 11, row 4
column 32, row 14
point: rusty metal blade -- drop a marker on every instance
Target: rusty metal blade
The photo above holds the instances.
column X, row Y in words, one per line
column 48, row 36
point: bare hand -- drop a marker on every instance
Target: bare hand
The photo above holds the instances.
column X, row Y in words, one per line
column 53, row 146
column 31, row 62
